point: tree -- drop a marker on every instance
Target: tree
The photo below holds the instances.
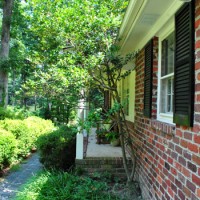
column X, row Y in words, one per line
column 93, row 31
column 110, row 72
column 57, row 71
column 4, row 52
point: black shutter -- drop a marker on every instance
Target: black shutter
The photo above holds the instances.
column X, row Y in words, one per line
column 184, row 66
column 148, row 79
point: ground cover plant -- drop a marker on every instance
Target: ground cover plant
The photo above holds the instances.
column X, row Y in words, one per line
column 62, row 186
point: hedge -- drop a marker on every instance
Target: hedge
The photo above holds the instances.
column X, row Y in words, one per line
column 58, row 148
column 8, row 148
column 18, row 137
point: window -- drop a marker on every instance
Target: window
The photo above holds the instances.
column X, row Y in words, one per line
column 176, row 68
column 167, row 74
column 124, row 94
column 126, row 90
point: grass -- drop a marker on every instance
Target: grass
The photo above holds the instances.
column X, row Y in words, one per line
column 63, row 186
column 15, row 167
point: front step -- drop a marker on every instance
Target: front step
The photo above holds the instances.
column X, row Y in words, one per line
column 113, row 165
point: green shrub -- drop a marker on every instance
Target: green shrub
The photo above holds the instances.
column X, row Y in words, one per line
column 38, row 126
column 42, row 125
column 8, row 148
column 26, row 132
column 21, row 132
column 62, row 186
column 58, row 148
column 12, row 113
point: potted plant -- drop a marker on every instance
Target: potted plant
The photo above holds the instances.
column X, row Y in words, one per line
column 101, row 136
column 113, row 137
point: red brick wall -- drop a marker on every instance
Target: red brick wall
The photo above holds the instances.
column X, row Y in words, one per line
column 168, row 164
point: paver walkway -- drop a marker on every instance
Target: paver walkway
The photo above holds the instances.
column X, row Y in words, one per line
column 11, row 183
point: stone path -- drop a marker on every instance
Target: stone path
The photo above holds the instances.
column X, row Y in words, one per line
column 13, row 181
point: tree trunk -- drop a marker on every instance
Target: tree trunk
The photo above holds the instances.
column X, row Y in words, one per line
column 122, row 126
column 13, row 98
column 4, row 53
column 35, row 102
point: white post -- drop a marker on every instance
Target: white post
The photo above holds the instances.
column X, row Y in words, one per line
column 82, row 114
column 79, row 145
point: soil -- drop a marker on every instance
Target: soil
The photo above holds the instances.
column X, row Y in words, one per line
column 119, row 187
column 124, row 192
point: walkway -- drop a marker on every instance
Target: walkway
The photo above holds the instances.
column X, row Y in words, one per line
column 11, row 184
column 101, row 150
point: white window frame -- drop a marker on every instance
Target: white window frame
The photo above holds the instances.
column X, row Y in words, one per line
column 163, row 33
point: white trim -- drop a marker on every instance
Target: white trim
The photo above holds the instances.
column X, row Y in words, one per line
column 167, row 118
column 133, row 13
column 166, row 76
column 169, row 13
column 163, row 33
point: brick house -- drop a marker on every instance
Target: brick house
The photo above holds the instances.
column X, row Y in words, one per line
column 163, row 95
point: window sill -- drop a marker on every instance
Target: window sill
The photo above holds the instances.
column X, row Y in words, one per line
column 129, row 118
column 166, row 118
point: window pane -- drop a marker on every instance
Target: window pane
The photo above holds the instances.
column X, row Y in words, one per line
column 169, row 86
column 167, row 93
column 125, row 95
column 167, row 60
column 163, row 96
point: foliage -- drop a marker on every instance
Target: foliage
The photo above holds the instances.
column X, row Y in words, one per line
column 8, row 148
column 52, row 77
column 58, row 148
column 62, row 186
column 93, row 117
column 18, row 137
column 21, row 132
column 96, row 98
column 13, row 113
column 38, row 126
column 26, row 132
column 111, row 136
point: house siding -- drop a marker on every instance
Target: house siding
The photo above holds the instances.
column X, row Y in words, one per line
column 168, row 164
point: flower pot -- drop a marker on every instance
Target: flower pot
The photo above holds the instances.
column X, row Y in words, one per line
column 115, row 142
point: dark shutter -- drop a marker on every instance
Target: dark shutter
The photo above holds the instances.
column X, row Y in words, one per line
column 184, row 66
column 148, row 79
column 107, row 100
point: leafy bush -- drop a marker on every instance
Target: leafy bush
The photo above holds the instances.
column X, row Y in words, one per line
column 8, row 148
column 26, row 132
column 42, row 125
column 62, row 186
column 58, row 148
column 12, row 113
column 38, row 126
column 21, row 132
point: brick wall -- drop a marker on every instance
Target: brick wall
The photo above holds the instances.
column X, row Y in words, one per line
column 169, row 156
